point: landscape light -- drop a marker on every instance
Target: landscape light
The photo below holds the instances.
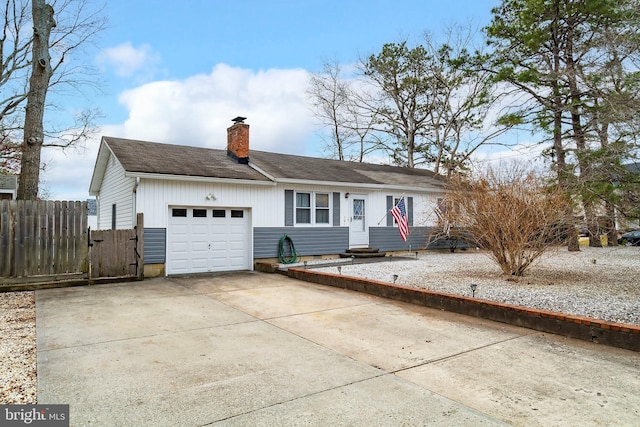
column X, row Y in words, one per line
column 473, row 289
column 339, row 270
column 305, row 265
column 395, row 277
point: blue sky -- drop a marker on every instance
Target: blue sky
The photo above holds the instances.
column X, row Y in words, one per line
column 178, row 72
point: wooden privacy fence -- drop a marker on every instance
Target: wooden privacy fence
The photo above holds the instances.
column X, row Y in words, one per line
column 117, row 253
column 49, row 241
column 40, row 239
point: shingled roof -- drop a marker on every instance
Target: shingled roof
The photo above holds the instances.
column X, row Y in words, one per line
column 154, row 158
column 167, row 159
column 291, row 167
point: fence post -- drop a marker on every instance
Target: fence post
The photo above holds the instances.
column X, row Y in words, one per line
column 140, row 244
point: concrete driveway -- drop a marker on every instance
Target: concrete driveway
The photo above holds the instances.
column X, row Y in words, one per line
column 257, row 349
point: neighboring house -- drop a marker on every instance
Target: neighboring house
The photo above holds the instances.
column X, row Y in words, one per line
column 92, row 213
column 633, row 167
column 217, row 210
column 8, row 186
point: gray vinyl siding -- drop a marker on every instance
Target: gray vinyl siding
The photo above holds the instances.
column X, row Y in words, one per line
column 307, row 240
column 336, row 209
column 155, row 245
column 388, row 239
column 288, row 208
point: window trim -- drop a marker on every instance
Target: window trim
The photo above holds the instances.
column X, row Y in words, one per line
column 313, row 209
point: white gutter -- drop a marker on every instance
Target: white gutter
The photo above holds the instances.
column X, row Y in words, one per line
column 167, row 177
column 357, row 184
column 274, row 181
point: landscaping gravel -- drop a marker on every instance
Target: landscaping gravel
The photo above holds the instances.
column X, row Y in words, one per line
column 18, row 348
column 602, row 283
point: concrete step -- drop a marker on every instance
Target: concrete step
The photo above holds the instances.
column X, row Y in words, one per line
column 363, row 255
column 362, row 250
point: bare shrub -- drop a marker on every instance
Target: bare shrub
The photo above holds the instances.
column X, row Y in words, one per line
column 512, row 214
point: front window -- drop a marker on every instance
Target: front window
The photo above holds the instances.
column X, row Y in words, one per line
column 322, row 208
column 313, row 208
column 303, row 208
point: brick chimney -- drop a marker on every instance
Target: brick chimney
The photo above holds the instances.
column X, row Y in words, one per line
column 238, row 140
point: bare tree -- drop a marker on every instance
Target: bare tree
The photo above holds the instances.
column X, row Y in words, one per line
column 513, row 214
column 338, row 106
column 37, row 64
column 463, row 95
column 330, row 96
column 403, row 98
column 41, row 72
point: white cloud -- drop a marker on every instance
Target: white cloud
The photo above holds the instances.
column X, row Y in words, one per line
column 128, row 60
column 529, row 153
column 68, row 172
column 197, row 111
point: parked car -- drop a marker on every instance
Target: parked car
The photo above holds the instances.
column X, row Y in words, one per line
column 631, row 238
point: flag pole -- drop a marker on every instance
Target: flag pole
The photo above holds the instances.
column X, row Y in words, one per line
column 387, row 214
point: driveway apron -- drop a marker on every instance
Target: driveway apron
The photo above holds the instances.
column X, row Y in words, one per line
column 261, row 349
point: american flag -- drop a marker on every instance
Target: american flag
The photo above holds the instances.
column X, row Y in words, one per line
column 400, row 214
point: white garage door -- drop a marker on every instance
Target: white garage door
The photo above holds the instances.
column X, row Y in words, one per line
column 201, row 240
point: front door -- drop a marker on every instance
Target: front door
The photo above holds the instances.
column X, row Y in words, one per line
column 358, row 230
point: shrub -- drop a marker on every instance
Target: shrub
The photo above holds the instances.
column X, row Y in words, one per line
column 514, row 215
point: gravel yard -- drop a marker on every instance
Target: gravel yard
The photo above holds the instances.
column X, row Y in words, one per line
column 602, row 283
column 18, row 348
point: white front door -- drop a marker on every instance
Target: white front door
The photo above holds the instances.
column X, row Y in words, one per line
column 358, row 230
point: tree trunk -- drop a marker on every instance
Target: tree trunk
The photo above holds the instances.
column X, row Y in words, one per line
column 41, row 72
column 579, row 137
column 592, row 224
column 563, row 181
column 612, row 234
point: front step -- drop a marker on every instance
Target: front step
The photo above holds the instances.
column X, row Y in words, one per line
column 363, row 253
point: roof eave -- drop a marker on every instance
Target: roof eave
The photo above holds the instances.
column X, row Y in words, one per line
column 100, row 167
column 169, row 177
column 358, row 184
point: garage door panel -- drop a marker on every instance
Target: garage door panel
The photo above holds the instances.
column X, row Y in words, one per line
column 180, row 247
column 199, row 265
column 237, row 262
column 201, row 244
column 219, row 246
column 199, row 247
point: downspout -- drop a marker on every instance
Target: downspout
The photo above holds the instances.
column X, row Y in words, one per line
column 135, row 198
